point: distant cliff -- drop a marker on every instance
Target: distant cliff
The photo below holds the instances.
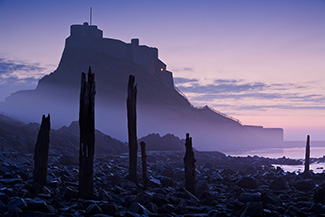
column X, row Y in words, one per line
column 161, row 108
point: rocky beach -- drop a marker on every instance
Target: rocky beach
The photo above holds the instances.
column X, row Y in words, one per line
column 226, row 186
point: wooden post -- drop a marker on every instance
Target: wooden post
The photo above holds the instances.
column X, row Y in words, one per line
column 41, row 152
column 87, row 135
column 144, row 165
column 189, row 161
column 132, row 129
column 307, row 156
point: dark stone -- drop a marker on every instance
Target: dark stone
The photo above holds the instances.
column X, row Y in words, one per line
column 70, row 193
column 11, row 182
column 253, row 209
column 109, row 208
column 126, row 184
column 247, row 182
column 249, row 197
column 294, row 211
column 319, row 196
column 68, row 160
column 152, row 207
column 16, row 203
column 317, row 208
column 269, row 198
column 3, row 208
column 139, row 209
column 279, row 184
column 93, row 209
column 159, row 199
column 31, row 213
column 304, row 185
column 143, row 198
column 4, row 198
column 37, row 205
column 154, row 182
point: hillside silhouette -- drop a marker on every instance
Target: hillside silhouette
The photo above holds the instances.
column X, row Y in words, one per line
column 161, row 108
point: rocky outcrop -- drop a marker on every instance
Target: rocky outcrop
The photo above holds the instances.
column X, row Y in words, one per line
column 161, row 108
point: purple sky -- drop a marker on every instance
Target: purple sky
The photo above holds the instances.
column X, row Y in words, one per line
column 262, row 62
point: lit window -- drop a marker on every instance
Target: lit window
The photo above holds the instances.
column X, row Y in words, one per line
column 162, row 69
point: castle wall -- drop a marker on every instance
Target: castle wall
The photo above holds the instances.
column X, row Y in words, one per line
column 90, row 36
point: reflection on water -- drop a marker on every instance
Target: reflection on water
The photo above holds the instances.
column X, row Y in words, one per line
column 292, row 153
column 316, row 168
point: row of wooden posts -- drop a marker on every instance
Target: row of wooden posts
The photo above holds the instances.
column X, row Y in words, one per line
column 87, row 142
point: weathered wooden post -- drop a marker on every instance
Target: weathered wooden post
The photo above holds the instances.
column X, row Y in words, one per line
column 144, row 165
column 41, row 152
column 307, row 156
column 87, row 135
column 132, row 129
column 189, row 161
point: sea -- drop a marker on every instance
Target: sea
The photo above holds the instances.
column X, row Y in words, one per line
column 292, row 153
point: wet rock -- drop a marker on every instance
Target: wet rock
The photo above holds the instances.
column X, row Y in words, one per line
column 143, row 198
column 139, row 209
column 304, row 185
column 16, row 203
column 152, row 207
column 4, row 198
column 70, row 193
column 279, row 184
column 196, row 215
column 159, row 199
column 167, row 182
column 154, row 182
column 249, row 197
column 126, row 184
column 68, row 160
column 30, row 213
column 319, row 196
column 294, row 211
column 216, row 213
column 109, row 208
column 93, row 209
column 37, row 205
column 3, row 208
column 9, row 191
column 11, row 182
column 247, row 182
column 253, row 209
column 16, row 212
column 317, row 208
column 269, row 198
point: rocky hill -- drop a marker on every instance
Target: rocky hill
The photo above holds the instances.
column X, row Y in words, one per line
column 161, row 108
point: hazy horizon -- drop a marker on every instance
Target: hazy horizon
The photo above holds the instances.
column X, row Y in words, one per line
column 260, row 62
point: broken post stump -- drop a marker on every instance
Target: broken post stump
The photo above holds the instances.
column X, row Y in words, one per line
column 87, row 135
column 41, row 152
column 132, row 129
column 307, row 155
column 189, row 161
column 144, row 165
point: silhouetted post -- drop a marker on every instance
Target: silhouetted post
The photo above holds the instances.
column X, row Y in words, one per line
column 307, row 157
column 132, row 129
column 189, row 161
column 87, row 135
column 41, row 152
column 144, row 165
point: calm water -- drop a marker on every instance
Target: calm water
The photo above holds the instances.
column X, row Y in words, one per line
column 293, row 153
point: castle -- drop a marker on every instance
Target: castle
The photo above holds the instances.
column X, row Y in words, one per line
column 90, row 36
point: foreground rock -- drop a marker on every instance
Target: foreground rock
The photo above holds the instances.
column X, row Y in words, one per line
column 226, row 186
